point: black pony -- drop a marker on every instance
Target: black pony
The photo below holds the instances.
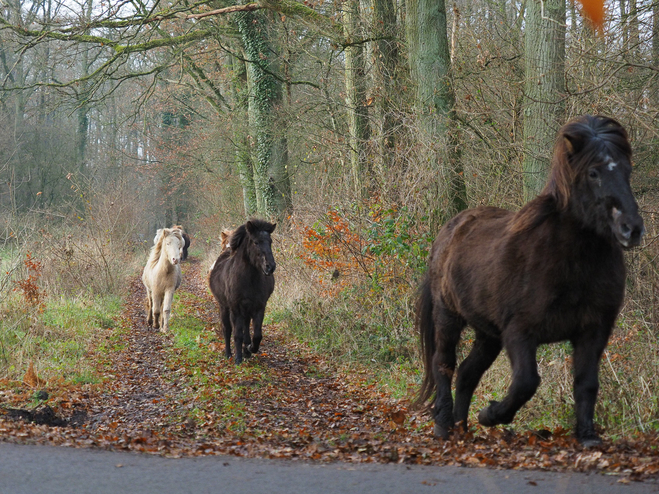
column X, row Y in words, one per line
column 553, row 271
column 242, row 281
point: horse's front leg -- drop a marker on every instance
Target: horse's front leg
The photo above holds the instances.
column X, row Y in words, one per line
column 238, row 323
column 167, row 310
column 247, row 338
column 448, row 327
column 524, row 384
column 480, row 358
column 156, row 308
column 257, row 322
column 586, row 359
column 225, row 316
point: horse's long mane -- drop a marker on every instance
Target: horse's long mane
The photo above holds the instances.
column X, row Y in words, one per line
column 580, row 143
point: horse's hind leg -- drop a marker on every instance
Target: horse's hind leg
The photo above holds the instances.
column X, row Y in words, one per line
column 524, row 384
column 257, row 322
column 586, row 358
column 149, row 308
column 483, row 353
column 448, row 326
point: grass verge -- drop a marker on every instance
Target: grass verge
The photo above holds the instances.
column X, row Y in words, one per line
column 55, row 339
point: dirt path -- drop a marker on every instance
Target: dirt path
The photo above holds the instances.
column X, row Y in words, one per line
column 163, row 397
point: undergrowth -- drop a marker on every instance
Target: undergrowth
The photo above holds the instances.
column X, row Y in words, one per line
column 56, row 339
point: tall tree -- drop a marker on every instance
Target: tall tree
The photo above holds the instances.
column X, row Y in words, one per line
column 430, row 64
column 386, row 72
column 270, row 157
column 82, row 92
column 355, row 83
column 544, row 88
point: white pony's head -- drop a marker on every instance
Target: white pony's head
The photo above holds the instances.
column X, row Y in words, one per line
column 168, row 242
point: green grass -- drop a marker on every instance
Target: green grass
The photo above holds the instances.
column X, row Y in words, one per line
column 359, row 330
column 57, row 340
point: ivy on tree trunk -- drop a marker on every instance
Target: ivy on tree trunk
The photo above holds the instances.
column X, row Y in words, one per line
column 270, row 167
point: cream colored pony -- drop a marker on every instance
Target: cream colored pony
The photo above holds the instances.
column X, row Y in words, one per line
column 162, row 276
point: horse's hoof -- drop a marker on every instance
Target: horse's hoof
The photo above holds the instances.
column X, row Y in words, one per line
column 441, row 432
column 484, row 417
column 462, row 426
column 251, row 349
column 590, row 441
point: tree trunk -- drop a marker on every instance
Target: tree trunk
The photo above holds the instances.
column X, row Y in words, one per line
column 355, row 95
column 83, row 96
column 270, row 157
column 385, row 76
column 430, row 62
column 544, row 89
column 246, row 173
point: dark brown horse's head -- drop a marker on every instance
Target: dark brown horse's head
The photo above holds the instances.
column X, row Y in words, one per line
column 590, row 178
column 255, row 241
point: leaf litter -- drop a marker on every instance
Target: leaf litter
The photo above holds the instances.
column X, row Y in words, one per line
column 285, row 402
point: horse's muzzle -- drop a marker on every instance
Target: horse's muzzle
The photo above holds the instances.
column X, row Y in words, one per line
column 269, row 269
column 628, row 229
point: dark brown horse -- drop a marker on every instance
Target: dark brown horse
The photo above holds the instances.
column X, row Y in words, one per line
column 242, row 281
column 553, row 271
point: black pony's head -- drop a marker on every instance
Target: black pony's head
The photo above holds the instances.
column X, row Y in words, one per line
column 255, row 241
column 590, row 178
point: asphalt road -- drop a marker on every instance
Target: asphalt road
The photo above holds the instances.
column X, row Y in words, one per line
column 52, row 470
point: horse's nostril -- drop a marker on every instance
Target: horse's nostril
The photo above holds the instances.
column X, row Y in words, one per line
column 625, row 230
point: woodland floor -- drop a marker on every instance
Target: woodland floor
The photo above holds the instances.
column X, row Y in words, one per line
column 283, row 403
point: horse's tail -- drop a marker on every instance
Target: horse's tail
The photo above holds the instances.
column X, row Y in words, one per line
column 426, row 327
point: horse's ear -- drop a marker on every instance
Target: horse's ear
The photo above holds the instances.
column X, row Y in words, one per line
column 270, row 228
column 251, row 229
column 573, row 144
column 568, row 146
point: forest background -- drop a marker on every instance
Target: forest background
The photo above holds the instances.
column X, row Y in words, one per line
column 360, row 126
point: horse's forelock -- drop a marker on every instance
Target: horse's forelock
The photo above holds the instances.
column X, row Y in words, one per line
column 251, row 228
column 580, row 143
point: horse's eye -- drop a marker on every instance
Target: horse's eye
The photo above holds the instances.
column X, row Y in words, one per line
column 593, row 174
